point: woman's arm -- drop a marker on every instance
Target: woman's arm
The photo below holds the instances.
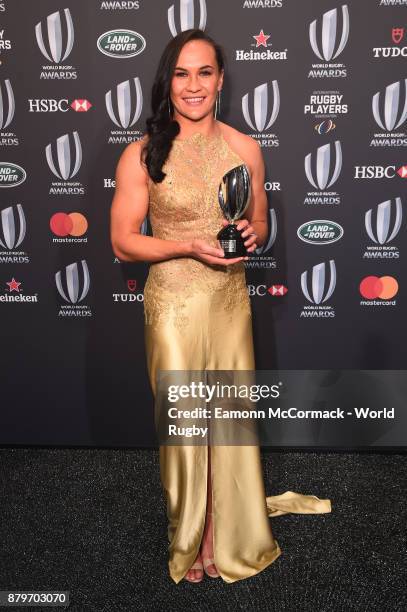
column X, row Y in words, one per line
column 128, row 211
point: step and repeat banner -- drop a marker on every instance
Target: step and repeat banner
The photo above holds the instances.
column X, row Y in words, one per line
column 322, row 85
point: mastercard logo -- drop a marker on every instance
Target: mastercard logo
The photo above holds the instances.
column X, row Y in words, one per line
column 383, row 287
column 72, row 224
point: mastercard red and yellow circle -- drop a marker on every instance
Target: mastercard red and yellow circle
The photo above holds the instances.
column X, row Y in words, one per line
column 383, row 287
column 72, row 224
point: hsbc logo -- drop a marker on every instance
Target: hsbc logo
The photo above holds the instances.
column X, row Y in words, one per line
column 380, row 172
column 51, row 105
column 181, row 16
column 262, row 290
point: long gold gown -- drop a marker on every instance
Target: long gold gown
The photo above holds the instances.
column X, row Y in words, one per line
column 198, row 317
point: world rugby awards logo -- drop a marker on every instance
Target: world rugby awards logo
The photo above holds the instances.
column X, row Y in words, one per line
column 318, row 290
column 323, row 172
column 186, row 16
column 332, row 43
column 263, row 117
column 58, row 46
column 261, row 258
column 389, row 112
column 67, row 164
column 7, row 105
column 11, row 237
column 382, row 226
column 73, row 288
column 124, row 109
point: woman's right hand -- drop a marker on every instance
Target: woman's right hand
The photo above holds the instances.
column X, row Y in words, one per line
column 202, row 250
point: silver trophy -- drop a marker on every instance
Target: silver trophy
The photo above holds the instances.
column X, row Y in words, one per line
column 234, row 198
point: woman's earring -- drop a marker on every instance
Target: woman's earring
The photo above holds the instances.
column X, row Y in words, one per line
column 217, row 104
column 169, row 109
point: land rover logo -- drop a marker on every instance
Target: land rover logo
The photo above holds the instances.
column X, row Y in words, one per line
column 320, row 231
column 121, row 43
column 11, row 174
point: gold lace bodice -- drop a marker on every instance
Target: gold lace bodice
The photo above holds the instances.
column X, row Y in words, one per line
column 185, row 206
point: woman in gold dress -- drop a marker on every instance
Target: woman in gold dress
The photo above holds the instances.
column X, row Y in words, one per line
column 196, row 304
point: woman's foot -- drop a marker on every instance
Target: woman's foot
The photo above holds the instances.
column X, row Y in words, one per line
column 207, row 548
column 195, row 572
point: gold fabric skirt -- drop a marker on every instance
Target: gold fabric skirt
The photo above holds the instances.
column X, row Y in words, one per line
column 243, row 540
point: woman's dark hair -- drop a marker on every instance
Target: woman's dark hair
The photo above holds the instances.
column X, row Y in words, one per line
column 161, row 128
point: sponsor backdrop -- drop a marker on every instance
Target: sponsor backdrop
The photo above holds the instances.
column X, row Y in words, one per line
column 322, row 87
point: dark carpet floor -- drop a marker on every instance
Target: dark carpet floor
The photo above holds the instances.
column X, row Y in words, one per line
column 93, row 522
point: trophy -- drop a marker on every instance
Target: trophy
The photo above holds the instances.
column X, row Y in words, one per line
column 234, row 197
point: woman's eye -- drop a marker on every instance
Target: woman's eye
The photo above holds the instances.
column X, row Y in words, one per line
column 204, row 73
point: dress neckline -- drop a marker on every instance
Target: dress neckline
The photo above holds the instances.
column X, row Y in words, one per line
column 199, row 137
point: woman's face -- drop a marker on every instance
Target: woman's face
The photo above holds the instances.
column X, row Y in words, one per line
column 196, row 80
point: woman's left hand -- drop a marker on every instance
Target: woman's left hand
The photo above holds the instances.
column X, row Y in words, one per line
column 248, row 232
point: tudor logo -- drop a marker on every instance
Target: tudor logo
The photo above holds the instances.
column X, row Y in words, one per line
column 186, row 10
column 330, row 47
column 321, row 288
column 127, row 113
column 262, row 119
column 64, row 170
column 320, row 231
column 121, row 43
column 54, row 50
column 383, row 232
column 70, row 287
column 325, row 175
column 397, row 35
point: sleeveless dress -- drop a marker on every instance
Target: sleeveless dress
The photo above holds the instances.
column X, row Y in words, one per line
column 198, row 317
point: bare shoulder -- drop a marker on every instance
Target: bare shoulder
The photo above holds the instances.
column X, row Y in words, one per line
column 131, row 158
column 244, row 145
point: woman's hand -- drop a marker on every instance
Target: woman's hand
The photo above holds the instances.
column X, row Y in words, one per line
column 248, row 232
column 203, row 251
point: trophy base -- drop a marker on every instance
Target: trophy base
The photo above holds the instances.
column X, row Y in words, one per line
column 231, row 242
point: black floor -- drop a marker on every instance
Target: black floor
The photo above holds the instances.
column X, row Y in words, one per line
column 93, row 522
